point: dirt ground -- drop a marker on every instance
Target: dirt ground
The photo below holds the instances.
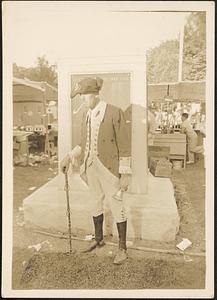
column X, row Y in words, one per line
column 53, row 268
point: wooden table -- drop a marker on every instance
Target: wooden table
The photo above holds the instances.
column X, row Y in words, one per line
column 21, row 142
column 176, row 142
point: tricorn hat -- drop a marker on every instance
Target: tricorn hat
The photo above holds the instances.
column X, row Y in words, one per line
column 87, row 86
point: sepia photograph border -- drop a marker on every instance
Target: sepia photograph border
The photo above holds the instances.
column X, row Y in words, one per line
column 7, row 178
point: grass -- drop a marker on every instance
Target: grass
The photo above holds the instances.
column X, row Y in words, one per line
column 54, row 269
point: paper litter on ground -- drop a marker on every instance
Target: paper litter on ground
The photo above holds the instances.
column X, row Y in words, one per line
column 185, row 243
column 32, row 188
column 88, row 237
column 50, row 169
column 37, row 247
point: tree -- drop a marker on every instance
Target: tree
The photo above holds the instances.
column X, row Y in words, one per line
column 42, row 72
column 162, row 62
column 194, row 56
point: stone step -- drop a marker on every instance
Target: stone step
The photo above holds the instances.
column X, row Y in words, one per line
column 152, row 216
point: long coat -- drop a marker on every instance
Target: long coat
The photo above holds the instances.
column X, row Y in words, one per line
column 114, row 142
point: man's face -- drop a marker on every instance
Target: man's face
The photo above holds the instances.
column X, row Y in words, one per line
column 183, row 118
column 90, row 100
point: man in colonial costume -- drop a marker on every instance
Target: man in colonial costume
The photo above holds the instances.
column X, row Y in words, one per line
column 105, row 160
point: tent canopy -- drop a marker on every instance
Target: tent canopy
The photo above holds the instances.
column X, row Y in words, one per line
column 178, row 91
column 25, row 90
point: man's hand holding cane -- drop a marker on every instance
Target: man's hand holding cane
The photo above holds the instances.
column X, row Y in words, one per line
column 70, row 158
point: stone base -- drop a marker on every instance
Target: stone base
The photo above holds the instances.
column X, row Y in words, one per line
column 151, row 216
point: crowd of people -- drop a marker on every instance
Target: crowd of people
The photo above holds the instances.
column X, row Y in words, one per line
column 170, row 116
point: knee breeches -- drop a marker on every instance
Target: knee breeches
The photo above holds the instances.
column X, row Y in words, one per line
column 103, row 186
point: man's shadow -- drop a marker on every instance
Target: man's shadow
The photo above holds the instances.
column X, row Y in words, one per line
column 136, row 221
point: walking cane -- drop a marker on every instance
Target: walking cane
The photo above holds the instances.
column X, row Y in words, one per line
column 68, row 211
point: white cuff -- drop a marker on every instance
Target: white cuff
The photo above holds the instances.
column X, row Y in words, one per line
column 76, row 151
column 125, row 165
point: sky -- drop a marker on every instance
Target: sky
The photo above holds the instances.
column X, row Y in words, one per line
column 75, row 29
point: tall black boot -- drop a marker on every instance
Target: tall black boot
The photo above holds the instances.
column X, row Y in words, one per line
column 98, row 225
column 98, row 241
column 122, row 251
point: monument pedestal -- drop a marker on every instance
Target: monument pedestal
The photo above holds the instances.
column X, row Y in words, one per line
column 151, row 216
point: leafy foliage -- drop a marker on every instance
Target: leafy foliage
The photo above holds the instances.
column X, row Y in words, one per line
column 194, row 60
column 42, row 72
column 162, row 61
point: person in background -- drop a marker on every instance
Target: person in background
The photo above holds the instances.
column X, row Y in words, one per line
column 105, row 159
column 192, row 138
column 152, row 125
